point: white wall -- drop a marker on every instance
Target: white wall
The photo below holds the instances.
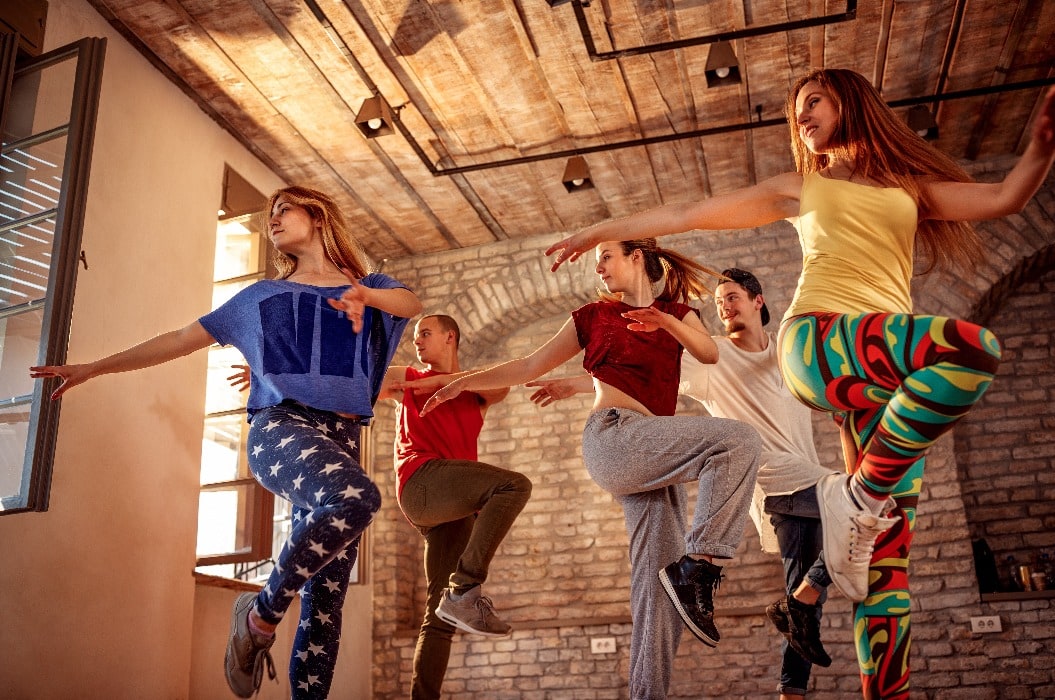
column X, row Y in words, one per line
column 97, row 597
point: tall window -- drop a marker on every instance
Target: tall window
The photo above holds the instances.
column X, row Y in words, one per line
column 236, row 517
column 48, row 107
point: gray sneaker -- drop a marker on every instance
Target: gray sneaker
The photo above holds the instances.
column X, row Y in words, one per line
column 472, row 613
column 247, row 653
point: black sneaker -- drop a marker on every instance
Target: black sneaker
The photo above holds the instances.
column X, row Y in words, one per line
column 690, row 585
column 799, row 625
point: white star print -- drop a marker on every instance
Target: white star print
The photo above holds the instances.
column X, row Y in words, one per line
column 305, row 624
column 313, row 680
column 319, row 494
column 271, row 425
column 352, row 492
column 296, row 482
column 285, row 441
column 330, row 468
column 257, row 449
column 323, row 428
column 289, row 592
column 342, row 555
column 316, row 649
column 302, row 685
column 301, row 571
column 275, row 467
column 303, row 656
column 307, row 453
column 340, row 524
column 323, row 618
column 332, row 585
column 310, row 517
column 318, row 548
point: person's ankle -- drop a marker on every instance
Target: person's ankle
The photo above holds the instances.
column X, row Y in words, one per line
column 860, row 496
column 258, row 626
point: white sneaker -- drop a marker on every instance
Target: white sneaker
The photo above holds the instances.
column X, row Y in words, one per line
column 849, row 533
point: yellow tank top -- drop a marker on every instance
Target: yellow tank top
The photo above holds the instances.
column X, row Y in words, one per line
column 857, row 243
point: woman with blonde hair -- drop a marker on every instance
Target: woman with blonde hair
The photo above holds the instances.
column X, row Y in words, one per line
column 867, row 190
column 638, row 450
column 318, row 340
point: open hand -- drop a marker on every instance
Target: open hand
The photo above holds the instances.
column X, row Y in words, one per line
column 71, row 376
column 571, row 248
column 647, row 319
column 442, row 395
column 240, row 380
column 551, row 390
column 352, row 302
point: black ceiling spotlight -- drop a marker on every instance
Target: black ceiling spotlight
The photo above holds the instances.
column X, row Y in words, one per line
column 922, row 122
column 375, row 117
column 722, row 67
column 576, row 175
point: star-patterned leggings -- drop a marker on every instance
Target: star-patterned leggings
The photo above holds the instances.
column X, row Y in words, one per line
column 311, row 458
column 895, row 383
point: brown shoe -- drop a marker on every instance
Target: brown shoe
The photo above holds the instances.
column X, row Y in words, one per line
column 472, row 612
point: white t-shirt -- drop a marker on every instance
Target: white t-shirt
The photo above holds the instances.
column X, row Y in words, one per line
column 748, row 387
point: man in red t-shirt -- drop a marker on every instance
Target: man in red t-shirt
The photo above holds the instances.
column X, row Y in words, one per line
column 463, row 507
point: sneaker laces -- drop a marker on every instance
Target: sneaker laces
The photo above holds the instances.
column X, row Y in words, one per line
column 263, row 658
column 486, row 607
column 704, row 593
column 862, row 540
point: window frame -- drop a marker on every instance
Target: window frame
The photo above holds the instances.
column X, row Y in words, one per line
column 89, row 53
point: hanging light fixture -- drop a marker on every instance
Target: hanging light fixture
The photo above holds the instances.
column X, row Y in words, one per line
column 576, row 175
column 375, row 117
column 922, row 122
column 722, row 67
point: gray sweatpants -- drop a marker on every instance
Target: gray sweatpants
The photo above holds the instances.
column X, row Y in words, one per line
column 643, row 461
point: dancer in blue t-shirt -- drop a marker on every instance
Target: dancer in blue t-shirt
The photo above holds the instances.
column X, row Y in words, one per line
column 318, row 340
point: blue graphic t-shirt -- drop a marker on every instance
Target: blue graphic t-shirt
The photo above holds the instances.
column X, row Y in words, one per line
column 300, row 348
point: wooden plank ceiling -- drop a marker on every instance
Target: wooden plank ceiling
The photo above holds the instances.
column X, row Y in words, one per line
column 479, row 82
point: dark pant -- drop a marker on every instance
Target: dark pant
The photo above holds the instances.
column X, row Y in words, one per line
column 796, row 519
column 464, row 509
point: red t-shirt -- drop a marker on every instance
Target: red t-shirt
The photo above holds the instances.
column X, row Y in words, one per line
column 450, row 431
column 645, row 366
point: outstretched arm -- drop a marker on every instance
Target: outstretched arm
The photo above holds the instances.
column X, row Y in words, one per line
column 977, row 201
column 771, row 200
column 429, row 385
column 155, row 351
column 561, row 347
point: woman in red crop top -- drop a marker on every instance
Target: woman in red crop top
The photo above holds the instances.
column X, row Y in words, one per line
column 635, row 448
column 866, row 190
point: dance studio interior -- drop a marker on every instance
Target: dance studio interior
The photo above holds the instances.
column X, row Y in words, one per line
column 462, row 138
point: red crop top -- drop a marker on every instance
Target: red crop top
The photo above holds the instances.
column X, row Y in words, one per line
column 645, row 366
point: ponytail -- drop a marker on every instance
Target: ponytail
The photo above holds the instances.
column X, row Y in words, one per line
column 683, row 277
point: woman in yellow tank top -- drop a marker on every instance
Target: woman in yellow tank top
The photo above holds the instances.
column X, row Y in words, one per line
column 866, row 191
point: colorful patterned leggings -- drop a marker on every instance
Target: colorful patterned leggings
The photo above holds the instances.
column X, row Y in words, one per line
column 311, row 458
column 895, row 383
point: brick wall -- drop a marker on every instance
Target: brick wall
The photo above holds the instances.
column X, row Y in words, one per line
column 561, row 576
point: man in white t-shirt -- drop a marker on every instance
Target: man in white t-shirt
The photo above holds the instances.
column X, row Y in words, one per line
column 746, row 385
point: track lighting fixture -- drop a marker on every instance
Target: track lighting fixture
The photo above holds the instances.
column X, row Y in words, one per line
column 576, row 175
column 722, row 67
column 922, row 122
column 375, row 117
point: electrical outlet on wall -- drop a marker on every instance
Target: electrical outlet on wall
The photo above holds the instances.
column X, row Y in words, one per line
column 602, row 645
column 980, row 624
